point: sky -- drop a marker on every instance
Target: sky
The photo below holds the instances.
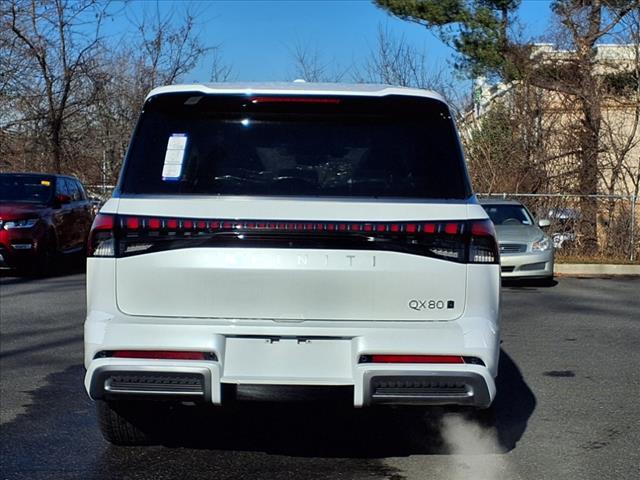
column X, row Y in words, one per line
column 256, row 38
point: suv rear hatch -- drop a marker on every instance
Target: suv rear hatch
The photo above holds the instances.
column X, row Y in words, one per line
column 293, row 208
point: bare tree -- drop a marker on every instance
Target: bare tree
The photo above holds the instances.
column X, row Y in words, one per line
column 395, row 62
column 621, row 118
column 310, row 65
column 220, row 71
column 577, row 76
column 164, row 49
column 69, row 97
column 168, row 49
column 515, row 146
column 45, row 50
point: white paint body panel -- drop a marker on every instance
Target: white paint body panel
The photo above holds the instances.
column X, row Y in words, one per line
column 270, row 208
column 290, row 284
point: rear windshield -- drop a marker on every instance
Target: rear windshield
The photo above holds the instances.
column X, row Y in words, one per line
column 26, row 188
column 194, row 144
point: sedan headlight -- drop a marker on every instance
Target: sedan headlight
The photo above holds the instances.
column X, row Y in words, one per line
column 27, row 223
column 541, row 245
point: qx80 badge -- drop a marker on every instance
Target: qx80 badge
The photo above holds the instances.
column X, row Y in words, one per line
column 419, row 305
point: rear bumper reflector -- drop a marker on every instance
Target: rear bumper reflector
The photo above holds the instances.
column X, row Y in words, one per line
column 158, row 355
column 411, row 359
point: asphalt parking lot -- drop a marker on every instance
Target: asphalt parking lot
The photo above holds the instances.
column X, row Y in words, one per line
column 566, row 409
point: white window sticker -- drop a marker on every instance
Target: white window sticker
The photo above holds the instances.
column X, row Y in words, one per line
column 174, row 157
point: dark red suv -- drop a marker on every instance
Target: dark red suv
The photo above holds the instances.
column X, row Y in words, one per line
column 41, row 217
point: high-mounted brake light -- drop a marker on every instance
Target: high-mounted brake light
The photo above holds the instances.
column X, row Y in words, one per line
column 295, row 100
column 101, row 238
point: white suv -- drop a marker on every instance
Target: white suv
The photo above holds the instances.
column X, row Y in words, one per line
column 290, row 234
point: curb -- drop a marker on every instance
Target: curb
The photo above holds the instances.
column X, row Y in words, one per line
column 595, row 269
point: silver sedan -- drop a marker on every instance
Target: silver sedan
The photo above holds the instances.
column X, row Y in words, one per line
column 525, row 250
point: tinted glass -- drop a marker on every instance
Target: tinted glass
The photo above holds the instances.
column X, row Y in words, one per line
column 508, row 215
column 72, row 188
column 26, row 188
column 82, row 195
column 232, row 145
column 61, row 187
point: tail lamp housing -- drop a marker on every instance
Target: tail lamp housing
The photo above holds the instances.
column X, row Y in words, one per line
column 461, row 241
column 102, row 242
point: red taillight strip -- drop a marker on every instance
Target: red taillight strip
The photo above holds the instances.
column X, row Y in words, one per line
column 464, row 241
column 415, row 359
column 160, row 355
column 134, row 223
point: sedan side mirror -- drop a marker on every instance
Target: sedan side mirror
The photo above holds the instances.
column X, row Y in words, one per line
column 543, row 222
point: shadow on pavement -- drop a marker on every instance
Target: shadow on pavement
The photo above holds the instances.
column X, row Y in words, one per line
column 514, row 403
column 338, row 430
column 71, row 265
column 522, row 283
column 58, row 437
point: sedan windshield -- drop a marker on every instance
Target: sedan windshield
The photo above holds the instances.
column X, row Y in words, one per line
column 25, row 188
column 508, row 214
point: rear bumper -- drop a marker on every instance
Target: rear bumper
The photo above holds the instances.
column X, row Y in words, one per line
column 315, row 353
column 373, row 385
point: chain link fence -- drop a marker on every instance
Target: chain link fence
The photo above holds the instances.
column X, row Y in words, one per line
column 618, row 220
column 100, row 192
